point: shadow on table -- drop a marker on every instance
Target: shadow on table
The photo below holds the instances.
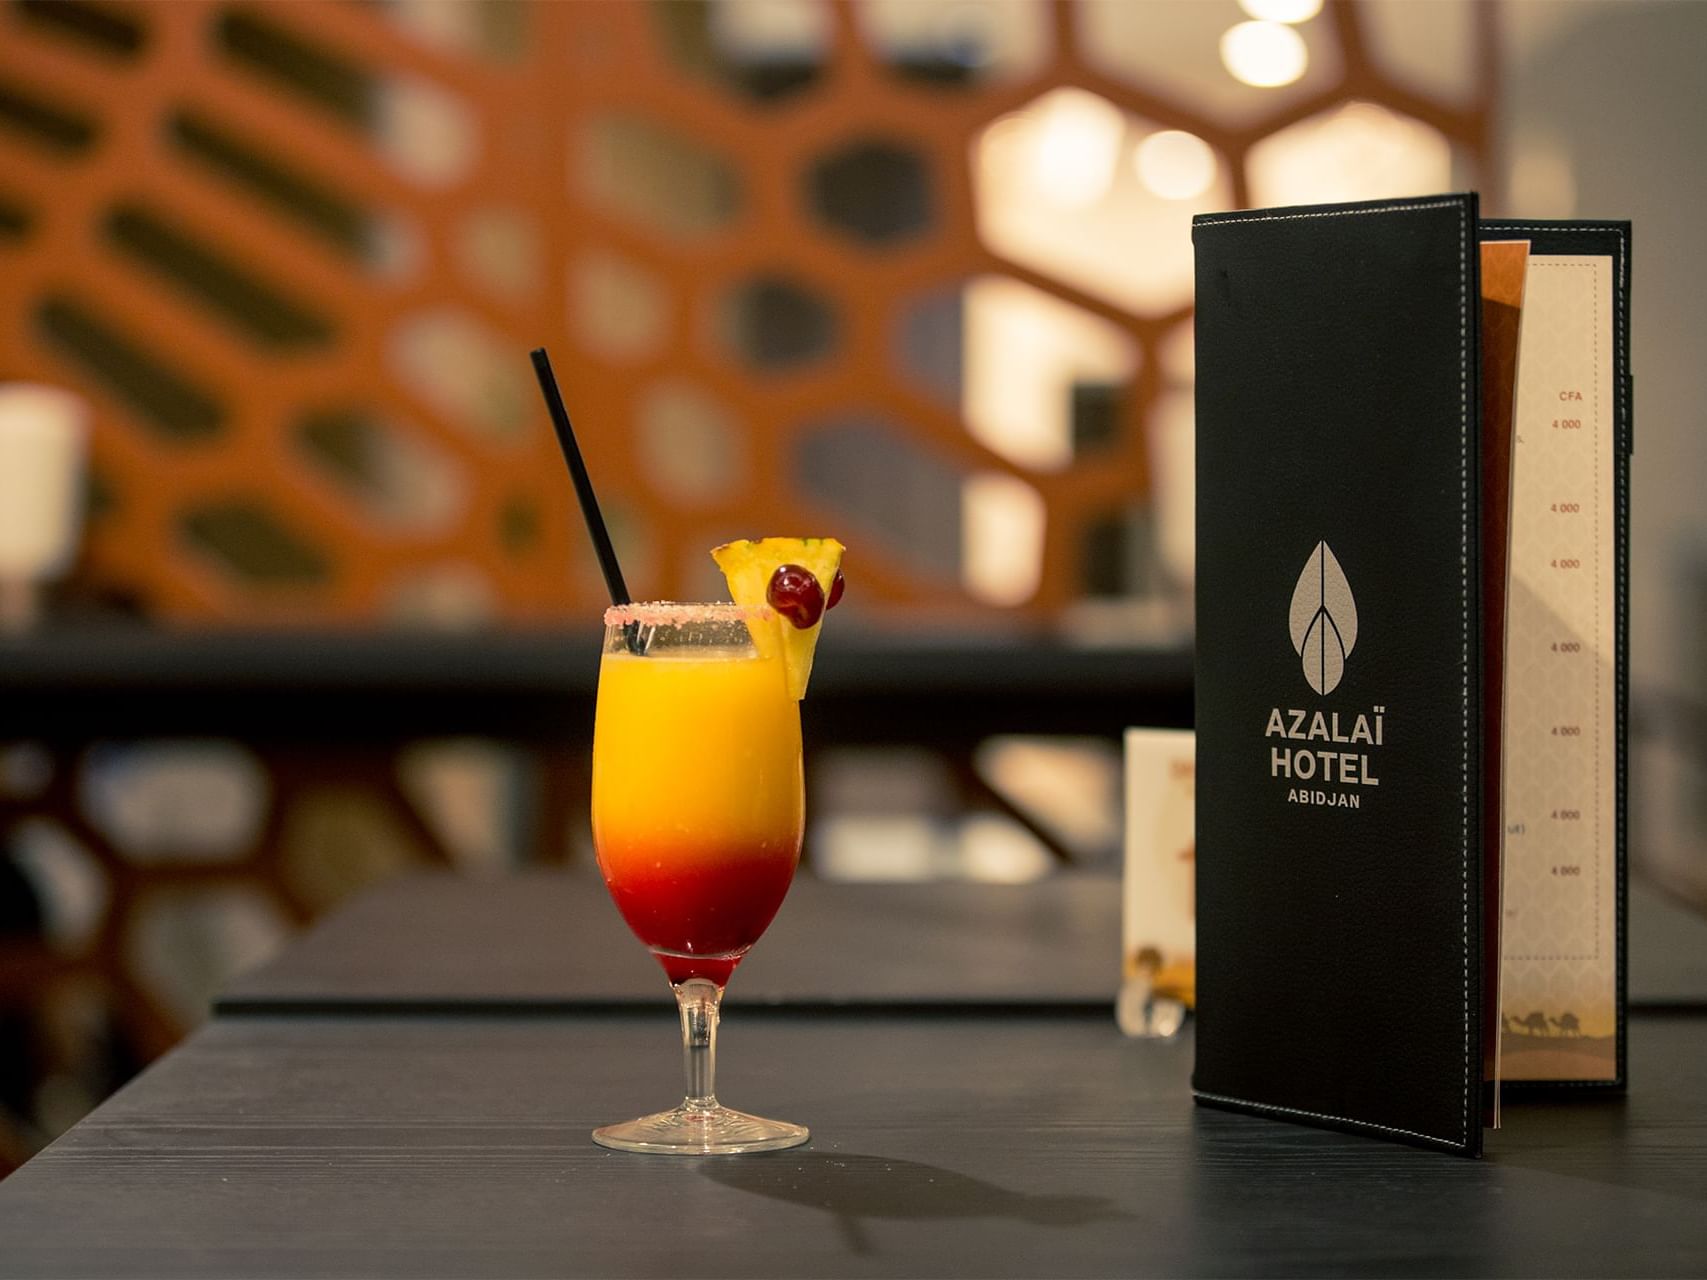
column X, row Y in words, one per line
column 1568, row 1137
column 853, row 1188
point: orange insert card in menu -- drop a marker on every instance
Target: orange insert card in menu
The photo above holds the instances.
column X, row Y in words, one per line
column 1505, row 267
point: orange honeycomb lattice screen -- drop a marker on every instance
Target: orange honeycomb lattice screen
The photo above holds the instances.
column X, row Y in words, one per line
column 296, row 255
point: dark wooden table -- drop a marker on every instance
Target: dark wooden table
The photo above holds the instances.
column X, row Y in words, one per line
column 546, row 941
column 409, row 1092
column 550, row 940
column 989, row 1144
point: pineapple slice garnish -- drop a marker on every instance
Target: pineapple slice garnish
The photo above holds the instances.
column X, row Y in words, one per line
column 799, row 599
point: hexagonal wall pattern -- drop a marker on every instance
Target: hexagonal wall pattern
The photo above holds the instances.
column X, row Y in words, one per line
column 1171, row 49
column 746, row 197
column 653, row 175
column 618, row 310
column 691, row 446
column 876, row 192
column 960, row 45
column 870, row 472
column 773, row 323
column 1036, row 379
column 245, row 540
column 1355, row 151
column 762, row 50
column 1058, row 188
column 395, row 477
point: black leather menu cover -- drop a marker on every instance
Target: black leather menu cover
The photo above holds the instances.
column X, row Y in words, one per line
column 1340, row 952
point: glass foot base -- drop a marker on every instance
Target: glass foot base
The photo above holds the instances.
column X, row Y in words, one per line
column 714, row 1132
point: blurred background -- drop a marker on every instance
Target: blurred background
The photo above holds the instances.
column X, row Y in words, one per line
column 311, row 605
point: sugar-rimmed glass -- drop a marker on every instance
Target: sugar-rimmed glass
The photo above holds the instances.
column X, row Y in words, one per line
column 698, row 814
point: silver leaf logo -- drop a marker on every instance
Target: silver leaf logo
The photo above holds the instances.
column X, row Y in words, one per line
column 1324, row 619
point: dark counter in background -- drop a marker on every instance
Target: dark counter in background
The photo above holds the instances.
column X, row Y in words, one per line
column 540, row 685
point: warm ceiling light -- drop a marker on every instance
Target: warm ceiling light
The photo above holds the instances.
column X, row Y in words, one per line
column 1075, row 147
column 1003, row 522
column 1174, row 164
column 1360, row 151
column 1281, row 10
column 1264, row 54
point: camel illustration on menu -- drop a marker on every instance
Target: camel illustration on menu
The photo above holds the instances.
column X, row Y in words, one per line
column 1537, row 1023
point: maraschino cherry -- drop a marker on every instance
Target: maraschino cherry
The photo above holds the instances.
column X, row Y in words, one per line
column 796, row 595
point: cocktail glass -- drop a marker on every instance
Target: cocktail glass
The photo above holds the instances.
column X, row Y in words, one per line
column 698, row 813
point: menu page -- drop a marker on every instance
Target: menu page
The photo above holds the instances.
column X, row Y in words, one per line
column 1559, row 940
column 1160, row 914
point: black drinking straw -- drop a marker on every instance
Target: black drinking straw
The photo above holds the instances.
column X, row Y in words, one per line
column 578, row 473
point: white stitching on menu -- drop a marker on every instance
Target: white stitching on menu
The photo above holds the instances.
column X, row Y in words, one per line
column 1332, row 213
column 1464, row 611
column 1464, row 598
column 1318, row 1115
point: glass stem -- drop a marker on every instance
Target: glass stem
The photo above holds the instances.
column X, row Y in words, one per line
column 698, row 1000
